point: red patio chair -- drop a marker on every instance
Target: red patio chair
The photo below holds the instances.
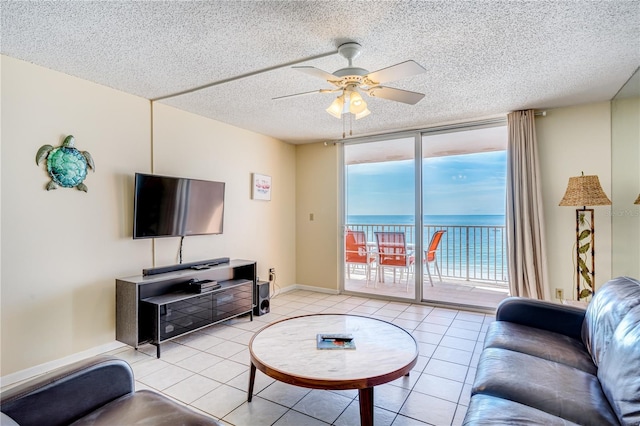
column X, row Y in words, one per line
column 356, row 252
column 392, row 252
column 430, row 254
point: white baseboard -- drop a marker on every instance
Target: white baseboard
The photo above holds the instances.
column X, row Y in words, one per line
column 29, row 373
column 305, row 287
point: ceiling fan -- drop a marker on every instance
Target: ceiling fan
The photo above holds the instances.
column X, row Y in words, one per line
column 351, row 80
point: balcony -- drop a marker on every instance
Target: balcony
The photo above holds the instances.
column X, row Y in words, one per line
column 472, row 261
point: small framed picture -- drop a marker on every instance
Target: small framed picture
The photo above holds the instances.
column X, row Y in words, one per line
column 261, row 188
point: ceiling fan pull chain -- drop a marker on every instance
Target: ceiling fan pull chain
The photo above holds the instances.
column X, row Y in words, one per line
column 343, row 126
column 350, row 124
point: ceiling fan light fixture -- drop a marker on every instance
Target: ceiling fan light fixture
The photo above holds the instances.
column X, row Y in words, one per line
column 352, row 81
column 337, row 107
column 356, row 104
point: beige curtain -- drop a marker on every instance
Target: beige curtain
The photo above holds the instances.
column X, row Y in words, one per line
column 525, row 224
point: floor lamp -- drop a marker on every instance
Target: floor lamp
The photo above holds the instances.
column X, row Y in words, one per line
column 585, row 191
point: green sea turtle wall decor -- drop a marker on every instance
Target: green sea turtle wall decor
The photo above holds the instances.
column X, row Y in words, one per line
column 66, row 165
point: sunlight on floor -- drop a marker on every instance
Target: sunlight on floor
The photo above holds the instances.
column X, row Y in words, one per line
column 449, row 291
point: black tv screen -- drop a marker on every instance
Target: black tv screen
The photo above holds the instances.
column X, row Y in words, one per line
column 167, row 206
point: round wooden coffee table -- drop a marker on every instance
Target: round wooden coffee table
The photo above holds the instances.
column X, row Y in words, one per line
column 287, row 351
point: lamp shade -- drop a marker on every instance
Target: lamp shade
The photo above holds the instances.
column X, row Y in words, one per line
column 637, row 201
column 336, row 108
column 356, row 103
column 584, row 191
column 350, row 101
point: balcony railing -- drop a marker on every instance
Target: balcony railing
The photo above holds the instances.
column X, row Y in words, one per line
column 467, row 252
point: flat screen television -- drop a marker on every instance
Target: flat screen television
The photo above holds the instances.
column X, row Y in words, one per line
column 167, row 206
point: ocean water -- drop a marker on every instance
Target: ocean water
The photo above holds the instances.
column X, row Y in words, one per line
column 474, row 246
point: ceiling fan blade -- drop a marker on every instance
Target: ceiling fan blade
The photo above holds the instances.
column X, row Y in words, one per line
column 317, row 72
column 305, row 93
column 395, row 72
column 397, row 95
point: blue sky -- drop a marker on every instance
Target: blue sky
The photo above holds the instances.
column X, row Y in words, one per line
column 453, row 185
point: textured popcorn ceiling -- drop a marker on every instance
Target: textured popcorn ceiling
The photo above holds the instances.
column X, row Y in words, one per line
column 482, row 58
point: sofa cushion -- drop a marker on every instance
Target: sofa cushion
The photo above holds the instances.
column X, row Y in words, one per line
column 540, row 343
column 605, row 311
column 619, row 371
column 69, row 392
column 554, row 388
column 145, row 408
column 561, row 319
column 492, row 411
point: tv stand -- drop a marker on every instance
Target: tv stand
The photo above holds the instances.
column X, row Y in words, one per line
column 158, row 308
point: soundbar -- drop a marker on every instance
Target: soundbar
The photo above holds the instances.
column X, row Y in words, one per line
column 203, row 264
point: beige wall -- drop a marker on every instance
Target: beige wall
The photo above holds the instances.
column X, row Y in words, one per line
column 574, row 140
column 317, row 240
column 189, row 145
column 62, row 250
column 625, row 174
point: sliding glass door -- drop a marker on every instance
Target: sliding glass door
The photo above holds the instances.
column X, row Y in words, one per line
column 438, row 199
column 379, row 229
column 463, row 199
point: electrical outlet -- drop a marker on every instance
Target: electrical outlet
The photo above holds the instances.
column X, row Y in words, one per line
column 559, row 294
column 272, row 274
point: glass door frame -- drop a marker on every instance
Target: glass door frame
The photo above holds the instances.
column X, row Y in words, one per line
column 417, row 275
column 417, row 135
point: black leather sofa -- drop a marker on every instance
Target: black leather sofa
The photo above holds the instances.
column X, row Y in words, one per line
column 551, row 364
column 97, row 391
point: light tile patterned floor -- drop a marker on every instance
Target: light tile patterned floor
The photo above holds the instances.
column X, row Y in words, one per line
column 208, row 370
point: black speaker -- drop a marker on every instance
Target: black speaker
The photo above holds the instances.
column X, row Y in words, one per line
column 262, row 298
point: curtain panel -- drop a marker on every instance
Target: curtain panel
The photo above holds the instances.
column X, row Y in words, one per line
column 524, row 216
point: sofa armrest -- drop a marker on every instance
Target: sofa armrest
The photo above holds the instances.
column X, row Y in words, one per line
column 68, row 393
column 563, row 319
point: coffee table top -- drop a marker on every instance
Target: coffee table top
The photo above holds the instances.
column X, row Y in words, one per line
column 287, row 351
